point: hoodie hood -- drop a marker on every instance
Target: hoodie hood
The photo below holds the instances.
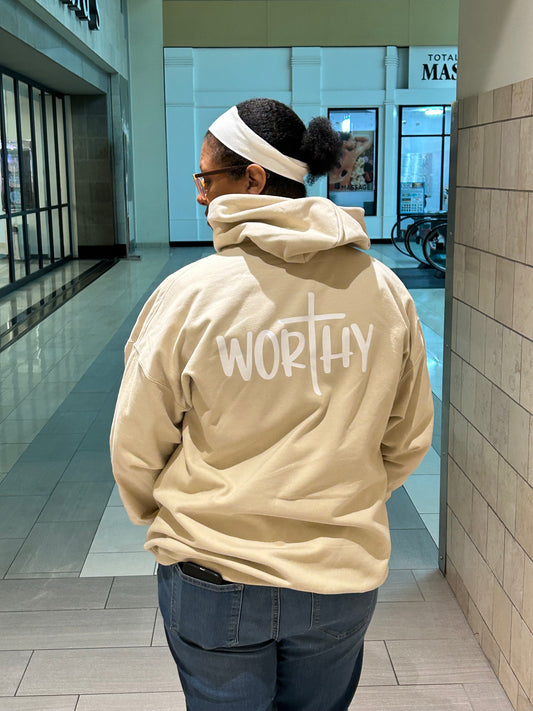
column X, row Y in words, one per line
column 294, row 230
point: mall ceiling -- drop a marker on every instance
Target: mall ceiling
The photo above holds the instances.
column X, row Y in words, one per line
column 27, row 61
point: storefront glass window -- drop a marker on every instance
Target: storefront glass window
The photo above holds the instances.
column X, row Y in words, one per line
column 353, row 181
column 34, row 206
column 424, row 159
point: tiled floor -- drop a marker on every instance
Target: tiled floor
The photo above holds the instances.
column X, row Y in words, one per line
column 78, row 614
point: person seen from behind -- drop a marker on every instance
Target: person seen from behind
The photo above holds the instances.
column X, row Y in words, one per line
column 274, row 396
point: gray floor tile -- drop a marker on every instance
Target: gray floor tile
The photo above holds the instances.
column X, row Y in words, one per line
column 97, row 437
column 13, row 666
column 401, row 511
column 159, row 638
column 68, row 423
column 489, row 696
column 54, row 594
column 377, row 667
column 45, row 448
column 9, row 453
column 77, row 501
column 400, row 586
column 39, row 703
column 433, row 585
column 89, row 466
column 76, row 629
column 418, row 620
column 18, row 514
column 414, row 698
column 100, row 671
column 55, row 547
column 39, row 478
column 439, row 661
column 166, row 701
column 134, row 591
column 413, row 550
column 76, row 402
column 9, row 547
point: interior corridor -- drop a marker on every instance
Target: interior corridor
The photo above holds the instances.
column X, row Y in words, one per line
column 78, row 607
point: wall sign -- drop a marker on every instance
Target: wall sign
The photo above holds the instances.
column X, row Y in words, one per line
column 86, row 10
column 432, row 66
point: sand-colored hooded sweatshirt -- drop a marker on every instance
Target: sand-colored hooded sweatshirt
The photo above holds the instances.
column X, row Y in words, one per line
column 274, row 395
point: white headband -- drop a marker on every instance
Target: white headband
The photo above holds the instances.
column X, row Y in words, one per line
column 231, row 130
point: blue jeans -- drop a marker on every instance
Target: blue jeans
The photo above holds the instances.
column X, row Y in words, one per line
column 253, row 648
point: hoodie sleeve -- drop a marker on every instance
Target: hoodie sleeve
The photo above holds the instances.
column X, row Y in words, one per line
column 146, row 428
column 409, row 430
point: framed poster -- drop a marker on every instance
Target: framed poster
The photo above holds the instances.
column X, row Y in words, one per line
column 352, row 183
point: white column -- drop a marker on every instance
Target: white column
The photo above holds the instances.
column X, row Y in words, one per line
column 389, row 158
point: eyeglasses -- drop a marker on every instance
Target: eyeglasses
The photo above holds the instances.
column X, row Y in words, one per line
column 199, row 177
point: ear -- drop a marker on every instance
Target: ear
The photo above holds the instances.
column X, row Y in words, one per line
column 257, row 178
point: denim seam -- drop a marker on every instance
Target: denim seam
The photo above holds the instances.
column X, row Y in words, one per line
column 236, row 611
column 275, row 613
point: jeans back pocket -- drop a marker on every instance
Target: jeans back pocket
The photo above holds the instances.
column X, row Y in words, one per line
column 345, row 614
column 204, row 613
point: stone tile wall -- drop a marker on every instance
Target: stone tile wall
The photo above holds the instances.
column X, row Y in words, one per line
column 490, row 486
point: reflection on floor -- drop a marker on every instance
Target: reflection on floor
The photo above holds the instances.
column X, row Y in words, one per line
column 80, row 628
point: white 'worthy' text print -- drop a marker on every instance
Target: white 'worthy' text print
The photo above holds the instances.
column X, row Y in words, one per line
column 295, row 349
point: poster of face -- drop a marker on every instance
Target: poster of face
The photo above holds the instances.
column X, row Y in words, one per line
column 352, row 182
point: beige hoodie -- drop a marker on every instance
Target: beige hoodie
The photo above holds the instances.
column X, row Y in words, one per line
column 274, row 395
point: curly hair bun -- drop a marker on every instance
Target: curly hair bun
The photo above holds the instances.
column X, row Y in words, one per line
column 321, row 147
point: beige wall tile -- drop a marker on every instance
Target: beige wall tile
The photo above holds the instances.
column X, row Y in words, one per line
column 486, row 581
column 530, row 464
column 490, row 473
column 522, row 98
column 513, row 570
column 463, row 140
column 529, row 234
column 471, row 285
column 495, row 544
column 485, row 107
column 464, row 228
column 470, row 111
column 475, row 156
column 460, row 429
column 524, row 704
column 456, row 377
column 527, row 602
column 470, row 573
column 502, row 103
column 482, row 404
column 474, row 462
column 526, row 381
column 469, row 393
column 521, row 650
column 456, row 551
column 510, row 151
column 507, row 488
column 459, row 271
column 477, row 340
column 491, row 649
column 508, row 680
column 517, row 208
column 523, row 300
column 501, row 619
column 511, row 363
column 499, row 422
column 498, row 221
column 518, row 453
column 491, row 154
column 480, row 237
column 460, row 113
column 460, row 492
column 487, row 280
column 524, row 516
column 505, row 287
column 493, row 350
column 462, row 344
column 525, row 163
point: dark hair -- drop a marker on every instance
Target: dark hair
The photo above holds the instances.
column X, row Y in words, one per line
column 319, row 145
